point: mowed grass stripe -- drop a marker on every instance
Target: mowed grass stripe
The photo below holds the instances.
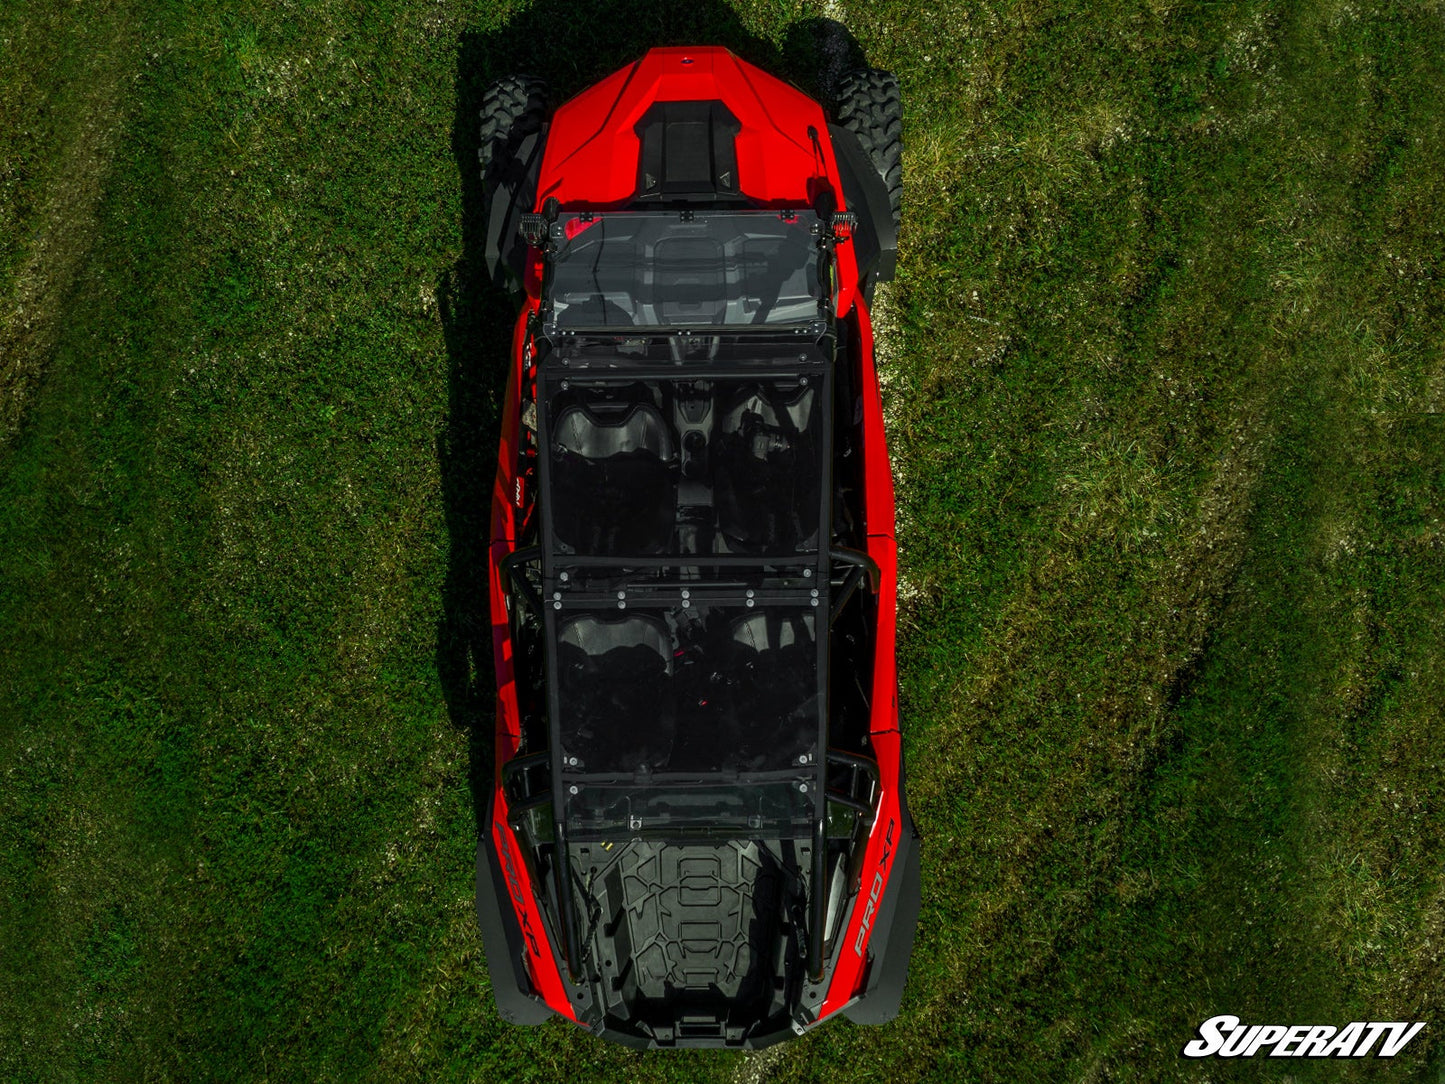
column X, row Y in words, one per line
column 53, row 174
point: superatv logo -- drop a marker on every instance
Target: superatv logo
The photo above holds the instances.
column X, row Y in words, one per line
column 875, row 893
column 1227, row 1037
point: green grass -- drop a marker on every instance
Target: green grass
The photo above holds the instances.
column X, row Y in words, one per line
column 1164, row 382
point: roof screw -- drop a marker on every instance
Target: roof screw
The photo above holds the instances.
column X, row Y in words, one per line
column 556, row 594
column 686, row 604
column 565, row 385
column 803, row 380
column 812, row 600
column 686, row 593
column 572, row 789
column 815, row 592
column 556, row 605
column 803, row 788
column 563, row 576
column 803, row 759
column 750, row 593
column 621, row 594
column 572, row 761
column 621, row 604
column 807, row 573
column 751, row 603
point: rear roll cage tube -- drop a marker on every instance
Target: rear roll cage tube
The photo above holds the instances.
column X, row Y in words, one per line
column 571, row 949
column 859, row 563
column 522, row 584
column 517, row 768
column 515, row 813
column 845, row 556
column 857, row 764
column 847, row 800
column 668, row 600
column 818, row 903
column 630, row 373
column 785, row 563
column 520, row 764
column 853, row 760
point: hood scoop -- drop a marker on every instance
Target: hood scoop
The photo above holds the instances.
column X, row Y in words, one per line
column 689, row 153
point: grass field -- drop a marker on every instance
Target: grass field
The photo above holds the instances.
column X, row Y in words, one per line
column 1165, row 374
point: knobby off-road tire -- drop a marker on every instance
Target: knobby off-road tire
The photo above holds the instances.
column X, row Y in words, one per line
column 513, row 107
column 867, row 102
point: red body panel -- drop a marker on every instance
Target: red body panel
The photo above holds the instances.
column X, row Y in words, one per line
column 508, row 499
column 849, row 974
column 591, row 162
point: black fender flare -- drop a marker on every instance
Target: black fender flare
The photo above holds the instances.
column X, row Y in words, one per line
column 502, row 938
column 892, row 944
column 875, row 239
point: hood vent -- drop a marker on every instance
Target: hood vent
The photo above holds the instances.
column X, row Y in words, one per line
column 689, row 154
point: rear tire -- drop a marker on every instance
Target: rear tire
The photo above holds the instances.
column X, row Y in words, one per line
column 513, row 107
column 868, row 103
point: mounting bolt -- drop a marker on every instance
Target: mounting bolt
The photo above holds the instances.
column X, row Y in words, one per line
column 556, row 595
column 807, row 573
column 556, row 605
column 563, row 576
column 803, row 788
column 815, row 592
column 572, row 789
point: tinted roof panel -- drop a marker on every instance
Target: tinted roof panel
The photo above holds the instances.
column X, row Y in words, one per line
column 691, row 688
column 719, row 465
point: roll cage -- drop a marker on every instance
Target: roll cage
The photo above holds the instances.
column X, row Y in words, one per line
column 672, row 352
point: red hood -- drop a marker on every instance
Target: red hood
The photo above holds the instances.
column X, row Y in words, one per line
column 593, row 147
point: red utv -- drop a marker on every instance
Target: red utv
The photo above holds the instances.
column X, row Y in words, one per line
column 698, row 836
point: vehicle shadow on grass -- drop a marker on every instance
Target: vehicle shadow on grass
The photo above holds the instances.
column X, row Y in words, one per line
column 571, row 53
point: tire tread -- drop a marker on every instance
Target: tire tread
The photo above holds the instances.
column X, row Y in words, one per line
column 513, row 107
column 869, row 104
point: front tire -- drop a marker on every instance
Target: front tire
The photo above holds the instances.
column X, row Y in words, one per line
column 513, row 108
column 514, row 120
column 869, row 104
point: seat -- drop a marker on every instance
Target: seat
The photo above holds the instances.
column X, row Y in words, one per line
column 614, row 479
column 767, row 482
column 613, row 676
column 776, row 712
